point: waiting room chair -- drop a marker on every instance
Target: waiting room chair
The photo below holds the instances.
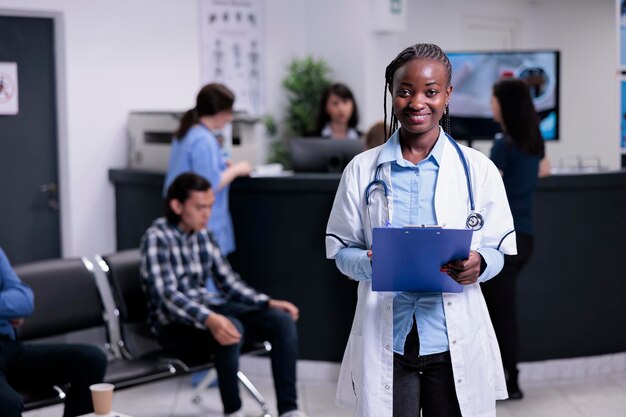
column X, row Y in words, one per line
column 136, row 339
column 67, row 300
column 52, row 282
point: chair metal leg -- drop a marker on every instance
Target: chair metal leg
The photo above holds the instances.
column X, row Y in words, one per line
column 248, row 385
column 255, row 393
column 61, row 393
column 203, row 385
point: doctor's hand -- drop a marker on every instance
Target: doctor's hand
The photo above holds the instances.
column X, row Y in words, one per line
column 287, row 307
column 464, row 272
column 222, row 329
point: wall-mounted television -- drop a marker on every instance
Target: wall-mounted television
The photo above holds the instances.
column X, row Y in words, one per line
column 473, row 75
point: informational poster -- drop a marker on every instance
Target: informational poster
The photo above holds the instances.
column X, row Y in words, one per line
column 8, row 88
column 232, row 39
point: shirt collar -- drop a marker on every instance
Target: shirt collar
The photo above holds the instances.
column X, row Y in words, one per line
column 179, row 230
column 391, row 150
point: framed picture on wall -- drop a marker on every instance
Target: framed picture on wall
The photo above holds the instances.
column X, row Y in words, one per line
column 8, row 88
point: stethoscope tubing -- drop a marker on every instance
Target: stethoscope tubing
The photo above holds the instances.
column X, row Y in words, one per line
column 475, row 221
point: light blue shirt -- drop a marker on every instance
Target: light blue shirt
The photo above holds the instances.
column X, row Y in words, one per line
column 413, row 199
column 199, row 152
column 414, row 204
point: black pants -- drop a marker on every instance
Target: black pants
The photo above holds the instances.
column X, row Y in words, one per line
column 500, row 296
column 423, row 383
column 255, row 324
column 27, row 366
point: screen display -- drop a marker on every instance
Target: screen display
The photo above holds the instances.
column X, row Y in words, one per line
column 473, row 75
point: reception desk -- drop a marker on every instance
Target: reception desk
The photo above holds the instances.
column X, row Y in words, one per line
column 570, row 294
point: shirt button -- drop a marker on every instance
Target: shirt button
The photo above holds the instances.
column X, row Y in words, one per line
column 449, row 303
column 387, row 347
column 387, row 387
column 454, row 342
column 459, row 380
column 388, row 308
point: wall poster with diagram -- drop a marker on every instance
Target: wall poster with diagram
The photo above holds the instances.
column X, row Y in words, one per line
column 232, row 42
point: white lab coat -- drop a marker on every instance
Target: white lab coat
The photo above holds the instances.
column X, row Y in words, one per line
column 366, row 376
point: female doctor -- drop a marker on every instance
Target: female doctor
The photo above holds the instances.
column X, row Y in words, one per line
column 434, row 352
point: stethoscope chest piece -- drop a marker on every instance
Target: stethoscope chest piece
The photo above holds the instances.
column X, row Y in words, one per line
column 475, row 221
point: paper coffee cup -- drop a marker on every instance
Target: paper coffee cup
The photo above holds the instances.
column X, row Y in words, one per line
column 102, row 398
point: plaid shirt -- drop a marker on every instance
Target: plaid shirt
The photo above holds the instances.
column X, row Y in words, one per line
column 175, row 268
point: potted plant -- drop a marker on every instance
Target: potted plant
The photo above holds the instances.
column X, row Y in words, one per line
column 305, row 82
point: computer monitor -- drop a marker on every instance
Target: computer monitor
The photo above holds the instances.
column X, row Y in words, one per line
column 322, row 154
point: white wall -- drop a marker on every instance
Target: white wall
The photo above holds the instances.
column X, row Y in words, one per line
column 119, row 56
column 144, row 55
column 585, row 33
column 285, row 40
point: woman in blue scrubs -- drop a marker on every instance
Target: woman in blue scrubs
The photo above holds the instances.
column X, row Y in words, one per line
column 196, row 148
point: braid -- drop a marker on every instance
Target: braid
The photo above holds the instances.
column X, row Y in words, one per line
column 419, row 50
column 445, row 120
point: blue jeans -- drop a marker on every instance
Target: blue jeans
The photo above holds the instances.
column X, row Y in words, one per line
column 27, row 366
column 255, row 324
column 423, row 383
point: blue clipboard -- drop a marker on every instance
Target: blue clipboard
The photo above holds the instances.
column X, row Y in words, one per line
column 410, row 258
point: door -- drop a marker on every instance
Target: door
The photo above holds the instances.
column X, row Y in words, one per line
column 29, row 209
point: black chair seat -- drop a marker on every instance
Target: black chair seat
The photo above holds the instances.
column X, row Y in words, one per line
column 37, row 397
column 126, row 374
column 52, row 282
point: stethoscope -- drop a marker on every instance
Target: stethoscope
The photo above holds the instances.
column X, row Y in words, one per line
column 475, row 221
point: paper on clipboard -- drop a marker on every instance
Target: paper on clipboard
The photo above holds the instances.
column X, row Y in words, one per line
column 410, row 259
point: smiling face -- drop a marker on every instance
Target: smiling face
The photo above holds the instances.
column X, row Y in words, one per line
column 420, row 93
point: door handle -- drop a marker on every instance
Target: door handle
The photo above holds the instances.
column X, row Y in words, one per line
column 52, row 190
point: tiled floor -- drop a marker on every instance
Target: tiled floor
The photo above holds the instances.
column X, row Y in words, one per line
column 601, row 395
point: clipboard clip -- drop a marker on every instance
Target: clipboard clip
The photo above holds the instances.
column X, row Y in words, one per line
column 423, row 226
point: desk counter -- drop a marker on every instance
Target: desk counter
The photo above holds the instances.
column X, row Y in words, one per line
column 570, row 294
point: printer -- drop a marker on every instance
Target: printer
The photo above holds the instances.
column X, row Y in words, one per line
column 150, row 136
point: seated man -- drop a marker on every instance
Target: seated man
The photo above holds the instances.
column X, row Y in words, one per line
column 179, row 256
column 27, row 365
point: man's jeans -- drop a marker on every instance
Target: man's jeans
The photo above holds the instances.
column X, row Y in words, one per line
column 255, row 324
column 32, row 365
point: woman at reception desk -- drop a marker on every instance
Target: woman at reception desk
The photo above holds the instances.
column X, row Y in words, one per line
column 338, row 114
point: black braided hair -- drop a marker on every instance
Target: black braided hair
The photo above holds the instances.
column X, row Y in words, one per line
column 419, row 50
